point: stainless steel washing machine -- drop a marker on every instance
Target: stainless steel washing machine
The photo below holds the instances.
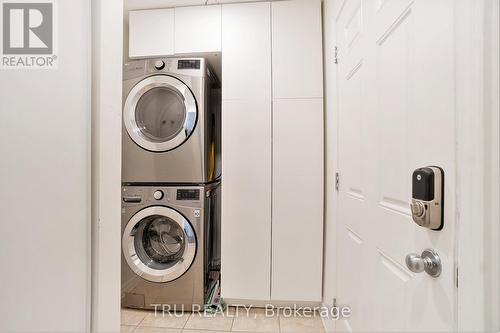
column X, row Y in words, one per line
column 167, row 245
column 171, row 118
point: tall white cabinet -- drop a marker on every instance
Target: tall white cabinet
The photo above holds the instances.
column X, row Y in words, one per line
column 297, row 213
column 272, row 197
column 246, row 158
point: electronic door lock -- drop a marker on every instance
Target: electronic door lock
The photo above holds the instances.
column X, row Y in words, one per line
column 427, row 205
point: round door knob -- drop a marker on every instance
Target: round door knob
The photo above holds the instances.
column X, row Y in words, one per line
column 158, row 195
column 415, row 263
column 429, row 261
column 159, row 65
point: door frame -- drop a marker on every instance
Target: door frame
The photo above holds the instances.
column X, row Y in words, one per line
column 107, row 67
column 477, row 150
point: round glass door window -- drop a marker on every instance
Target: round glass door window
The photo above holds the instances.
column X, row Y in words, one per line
column 160, row 113
column 159, row 244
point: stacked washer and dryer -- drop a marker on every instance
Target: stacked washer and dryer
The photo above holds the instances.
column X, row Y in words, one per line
column 171, row 172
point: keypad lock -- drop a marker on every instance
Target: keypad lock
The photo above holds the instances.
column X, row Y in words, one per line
column 427, row 205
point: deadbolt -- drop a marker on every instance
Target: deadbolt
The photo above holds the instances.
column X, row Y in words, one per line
column 427, row 197
column 429, row 262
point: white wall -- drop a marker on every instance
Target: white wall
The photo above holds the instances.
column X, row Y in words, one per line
column 45, row 182
column 107, row 21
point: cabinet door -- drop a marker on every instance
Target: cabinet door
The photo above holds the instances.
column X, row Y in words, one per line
column 246, row 51
column 297, row 49
column 151, row 33
column 297, row 244
column 246, row 199
column 198, row 29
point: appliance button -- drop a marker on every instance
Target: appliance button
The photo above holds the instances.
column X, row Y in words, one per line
column 158, row 195
column 159, row 65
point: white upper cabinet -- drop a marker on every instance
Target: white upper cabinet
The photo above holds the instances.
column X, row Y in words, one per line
column 198, row 29
column 297, row 49
column 151, row 33
column 164, row 32
column 246, row 51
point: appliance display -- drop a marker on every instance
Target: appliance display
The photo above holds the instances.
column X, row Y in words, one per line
column 171, row 118
column 168, row 244
column 188, row 195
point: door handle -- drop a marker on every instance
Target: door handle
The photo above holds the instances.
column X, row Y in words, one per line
column 429, row 261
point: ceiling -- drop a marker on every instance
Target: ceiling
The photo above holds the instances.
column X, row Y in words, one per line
column 149, row 4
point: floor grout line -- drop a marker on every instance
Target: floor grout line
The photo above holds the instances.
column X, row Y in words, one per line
column 184, row 326
column 141, row 321
column 232, row 322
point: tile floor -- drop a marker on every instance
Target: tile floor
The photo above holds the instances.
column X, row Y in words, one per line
column 256, row 321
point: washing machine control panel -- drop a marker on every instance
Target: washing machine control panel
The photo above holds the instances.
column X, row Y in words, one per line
column 185, row 197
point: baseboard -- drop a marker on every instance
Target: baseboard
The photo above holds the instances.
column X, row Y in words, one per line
column 264, row 303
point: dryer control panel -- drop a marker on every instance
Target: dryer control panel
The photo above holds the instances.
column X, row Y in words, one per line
column 188, row 64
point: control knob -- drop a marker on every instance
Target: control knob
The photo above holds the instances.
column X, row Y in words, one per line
column 159, row 65
column 158, row 195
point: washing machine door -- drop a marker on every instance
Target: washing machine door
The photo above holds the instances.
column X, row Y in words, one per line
column 159, row 244
column 160, row 113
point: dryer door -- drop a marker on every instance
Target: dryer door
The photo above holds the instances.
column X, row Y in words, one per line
column 159, row 244
column 160, row 113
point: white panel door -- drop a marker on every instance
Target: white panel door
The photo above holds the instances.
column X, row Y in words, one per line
column 246, row 51
column 151, row 33
column 246, row 199
column 198, row 29
column 396, row 114
column 297, row 49
column 297, row 244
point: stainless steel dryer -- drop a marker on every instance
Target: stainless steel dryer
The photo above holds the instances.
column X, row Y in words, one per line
column 171, row 117
column 165, row 247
